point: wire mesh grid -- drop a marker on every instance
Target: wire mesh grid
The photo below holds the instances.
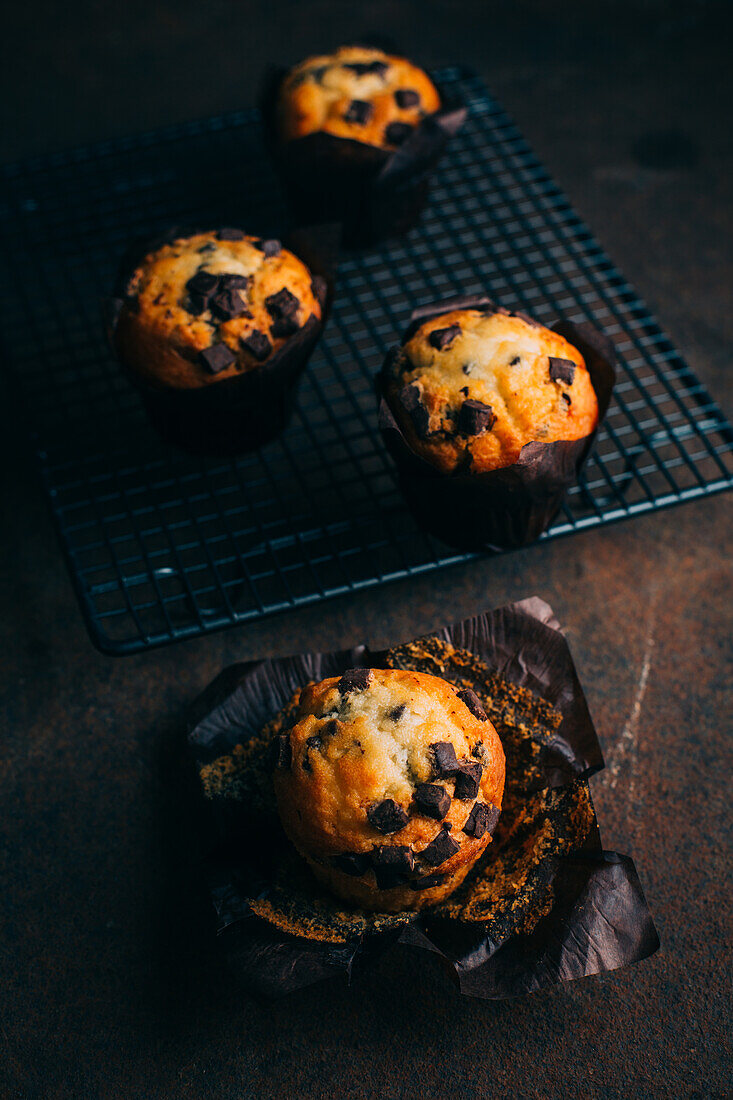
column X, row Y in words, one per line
column 162, row 546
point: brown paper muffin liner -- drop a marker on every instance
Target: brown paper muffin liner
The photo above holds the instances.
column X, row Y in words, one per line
column 512, row 506
column 544, row 904
column 237, row 414
column 375, row 193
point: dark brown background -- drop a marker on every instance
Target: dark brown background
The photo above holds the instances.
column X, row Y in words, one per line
column 111, row 983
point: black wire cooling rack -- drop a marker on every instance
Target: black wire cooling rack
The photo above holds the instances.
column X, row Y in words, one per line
column 162, row 546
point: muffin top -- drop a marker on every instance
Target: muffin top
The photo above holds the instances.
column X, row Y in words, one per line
column 358, row 93
column 471, row 387
column 208, row 307
column 392, row 773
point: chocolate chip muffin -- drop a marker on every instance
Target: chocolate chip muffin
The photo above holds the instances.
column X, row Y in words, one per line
column 471, row 387
column 204, row 309
column 357, row 93
column 390, row 784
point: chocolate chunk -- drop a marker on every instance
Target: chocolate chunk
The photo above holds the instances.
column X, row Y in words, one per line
column 282, row 304
column 319, row 286
column 228, row 303
column 234, row 282
column 354, row 679
column 467, row 781
column 359, row 111
column 472, row 701
column 513, row 362
column 428, row 881
column 466, row 368
column 522, row 317
column 432, row 800
column 197, row 304
column 352, row 863
column 330, row 728
column 397, row 133
column 478, row 752
column 257, row 345
column 271, row 247
column 392, row 865
column 483, row 817
column 314, row 742
column 562, row 370
column 396, row 713
column 386, row 816
column 419, row 415
column 406, row 97
column 444, row 756
column 475, row 418
column 440, row 849
column 284, row 326
column 284, row 751
column 364, row 68
column 464, row 391
column 567, row 399
column 442, row 338
column 217, row 358
column 230, row 235
column 202, row 283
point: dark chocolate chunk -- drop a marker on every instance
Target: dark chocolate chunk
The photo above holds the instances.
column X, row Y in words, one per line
column 359, row 111
column 442, row 338
column 387, row 816
column 284, row 751
column 406, row 97
column 475, row 418
column 419, row 415
column 256, row 344
column 464, row 391
column 271, row 247
column 282, row 304
column 392, row 864
column 562, row 370
column 428, row 881
column 396, row 713
column 432, row 800
column 483, row 817
column 202, row 283
column 440, row 849
column 330, row 727
column 567, row 399
column 466, row 368
column 468, row 779
column 234, row 282
column 354, row 679
column 352, row 863
column 284, row 326
column 472, row 701
column 314, row 741
column 397, row 133
column 478, row 752
column 217, row 358
column 228, row 303
column 522, row 317
column 319, row 286
column 197, row 304
column 230, row 235
column 446, row 761
column 513, row 362
column 364, row 68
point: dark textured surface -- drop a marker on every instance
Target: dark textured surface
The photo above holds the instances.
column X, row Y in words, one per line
column 111, row 984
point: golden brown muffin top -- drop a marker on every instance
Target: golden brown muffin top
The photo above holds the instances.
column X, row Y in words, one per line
column 471, row 387
column 358, row 93
column 208, row 307
column 389, row 759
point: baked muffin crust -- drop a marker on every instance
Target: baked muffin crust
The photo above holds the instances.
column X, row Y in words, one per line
column 358, row 93
column 389, row 783
column 211, row 306
column 471, row 387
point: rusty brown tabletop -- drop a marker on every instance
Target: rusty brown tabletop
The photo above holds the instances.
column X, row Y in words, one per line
column 112, row 982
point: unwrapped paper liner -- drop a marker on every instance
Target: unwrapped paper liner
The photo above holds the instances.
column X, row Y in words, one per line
column 375, row 192
column 511, row 506
column 242, row 413
column 579, row 911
